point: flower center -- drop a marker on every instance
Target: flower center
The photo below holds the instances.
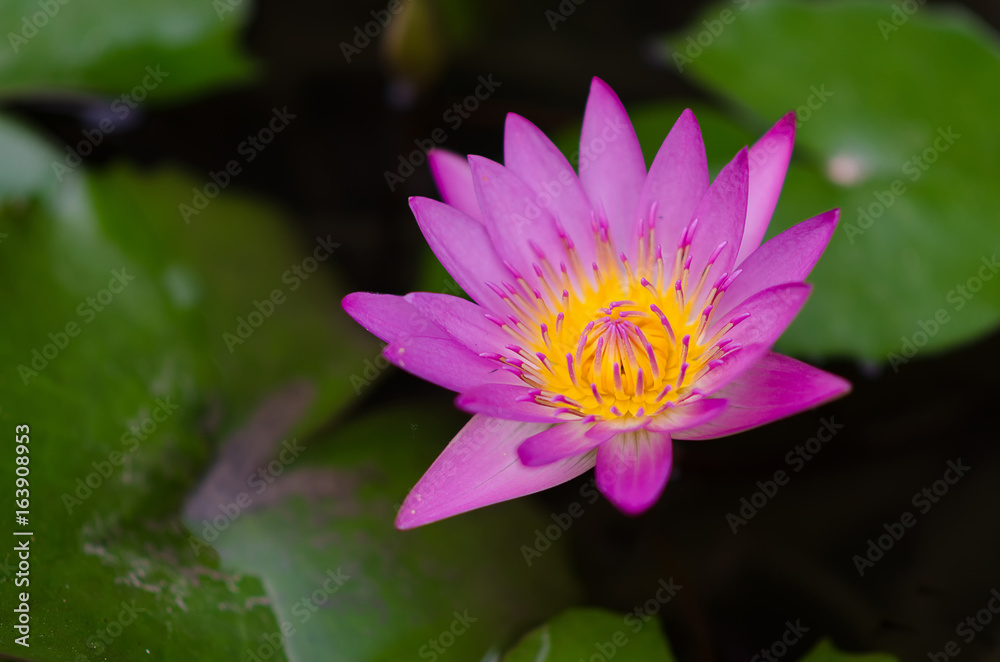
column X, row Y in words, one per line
column 620, row 341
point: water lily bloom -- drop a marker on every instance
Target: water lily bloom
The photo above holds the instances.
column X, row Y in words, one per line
column 613, row 310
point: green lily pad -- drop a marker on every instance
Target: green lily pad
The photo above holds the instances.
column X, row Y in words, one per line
column 593, row 633
column 895, row 126
column 114, row 357
column 106, row 371
column 159, row 48
column 318, row 528
column 269, row 304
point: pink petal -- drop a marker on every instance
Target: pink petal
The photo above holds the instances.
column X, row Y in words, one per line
column 559, row 442
column 463, row 247
column 608, row 428
column 633, row 468
column 445, row 362
column 511, row 401
column 677, row 180
column 514, row 219
column 770, row 312
column 389, row 316
column 787, row 258
column 769, row 159
column 529, row 154
column 775, row 387
column 454, row 180
column 720, row 213
column 612, row 168
column 480, row 467
column 687, row 416
column 463, row 320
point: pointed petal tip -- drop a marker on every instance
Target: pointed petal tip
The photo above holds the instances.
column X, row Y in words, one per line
column 409, row 517
column 839, row 387
column 740, row 163
column 771, row 155
column 784, row 127
column 404, row 521
column 349, row 301
column 478, row 163
column 829, row 218
column 354, row 305
column 359, row 305
column 453, row 178
column 742, row 160
column 479, row 468
column 419, row 508
column 513, row 118
column 688, row 116
column 421, row 205
column 687, row 121
column 598, row 84
column 603, row 95
column 776, row 387
column 418, row 202
column 826, row 388
column 521, row 135
column 612, row 168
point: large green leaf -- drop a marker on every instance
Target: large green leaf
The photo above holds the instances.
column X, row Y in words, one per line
column 317, row 526
column 593, row 634
column 875, row 89
column 104, row 365
column 113, row 310
column 113, row 46
column 269, row 302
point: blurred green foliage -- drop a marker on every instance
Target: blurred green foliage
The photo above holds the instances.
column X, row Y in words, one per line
column 104, row 47
column 451, row 588
column 896, row 127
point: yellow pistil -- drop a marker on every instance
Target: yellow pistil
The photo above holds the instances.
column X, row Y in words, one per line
column 624, row 340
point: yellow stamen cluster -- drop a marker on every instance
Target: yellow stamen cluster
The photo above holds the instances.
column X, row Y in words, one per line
column 624, row 340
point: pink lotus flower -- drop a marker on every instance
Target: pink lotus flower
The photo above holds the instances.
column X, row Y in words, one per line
column 615, row 310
